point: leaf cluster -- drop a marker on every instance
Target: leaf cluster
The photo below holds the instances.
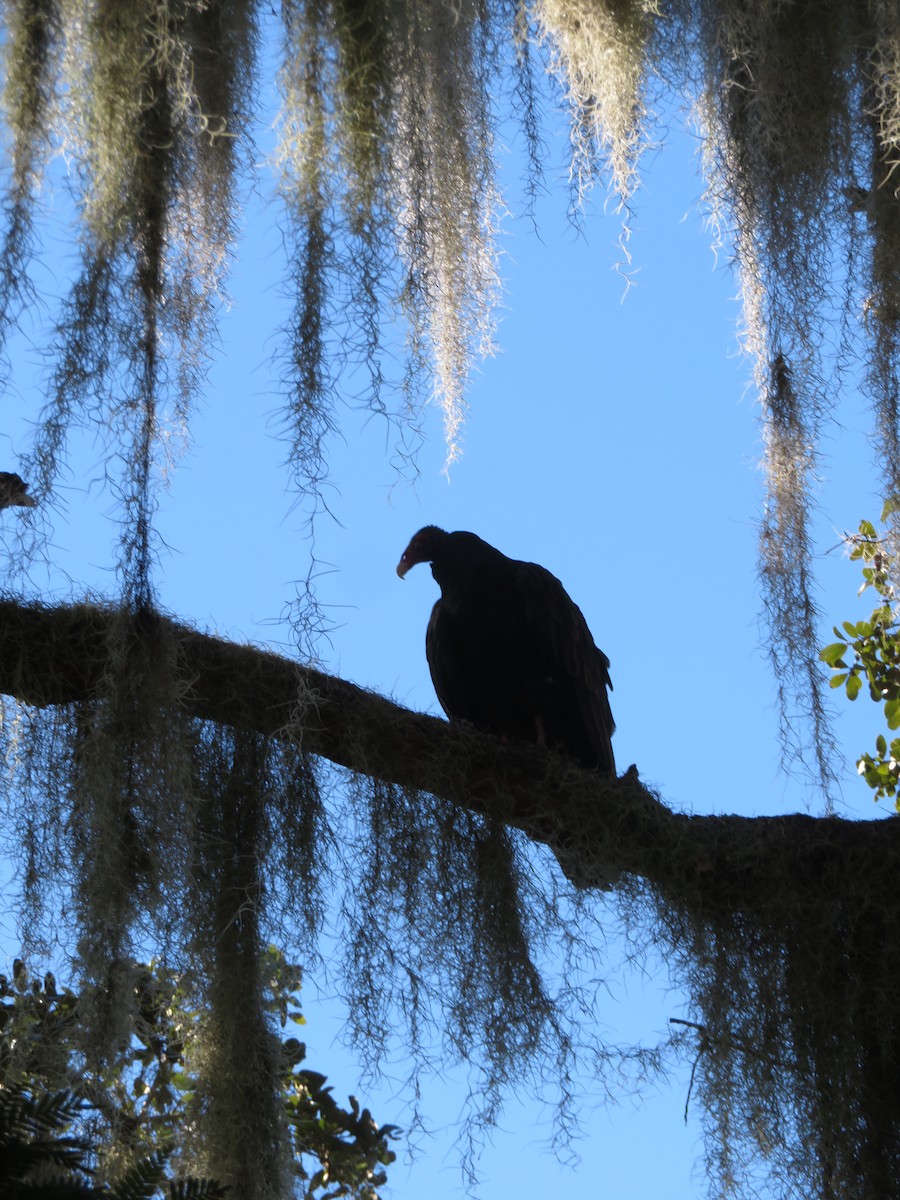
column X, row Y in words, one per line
column 868, row 653
column 123, row 1123
column 40, row 1160
column 348, row 1145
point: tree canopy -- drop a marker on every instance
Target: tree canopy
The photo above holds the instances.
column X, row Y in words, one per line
column 165, row 780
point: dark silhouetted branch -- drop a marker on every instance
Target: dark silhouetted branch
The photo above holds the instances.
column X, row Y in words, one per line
column 58, row 655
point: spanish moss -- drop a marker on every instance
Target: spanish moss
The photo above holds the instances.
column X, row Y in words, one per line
column 180, row 795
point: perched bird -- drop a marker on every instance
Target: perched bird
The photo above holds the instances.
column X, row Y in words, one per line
column 14, row 491
column 510, row 651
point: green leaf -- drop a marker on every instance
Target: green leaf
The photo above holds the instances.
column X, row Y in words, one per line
column 191, row 1188
column 883, row 616
column 143, row 1180
column 837, row 681
column 890, row 506
column 849, row 629
column 892, row 713
column 867, row 529
column 834, row 654
column 854, row 683
column 881, row 745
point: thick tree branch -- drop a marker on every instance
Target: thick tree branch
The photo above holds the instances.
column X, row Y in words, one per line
column 58, row 655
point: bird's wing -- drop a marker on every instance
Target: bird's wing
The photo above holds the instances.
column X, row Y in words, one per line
column 563, row 641
column 444, row 660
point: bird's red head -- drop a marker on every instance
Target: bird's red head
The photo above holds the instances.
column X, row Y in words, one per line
column 422, row 548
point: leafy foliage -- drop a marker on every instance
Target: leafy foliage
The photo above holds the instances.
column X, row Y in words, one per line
column 40, row 1161
column 129, row 1122
column 35, row 1153
column 867, row 653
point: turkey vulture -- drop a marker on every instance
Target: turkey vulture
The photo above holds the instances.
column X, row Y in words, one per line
column 510, row 651
column 14, row 491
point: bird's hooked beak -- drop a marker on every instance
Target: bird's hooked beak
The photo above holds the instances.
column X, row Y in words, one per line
column 420, row 549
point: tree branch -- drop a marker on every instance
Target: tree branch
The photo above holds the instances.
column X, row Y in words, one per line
column 714, row 864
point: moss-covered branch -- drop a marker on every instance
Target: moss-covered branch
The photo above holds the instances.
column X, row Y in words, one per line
column 57, row 655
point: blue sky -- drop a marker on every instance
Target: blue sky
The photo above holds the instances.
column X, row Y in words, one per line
column 613, row 439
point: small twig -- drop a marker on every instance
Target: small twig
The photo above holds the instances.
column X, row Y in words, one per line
column 704, row 1046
